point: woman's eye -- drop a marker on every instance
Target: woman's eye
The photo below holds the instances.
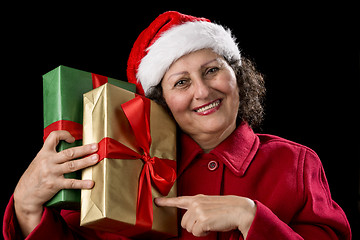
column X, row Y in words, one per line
column 212, row 70
column 180, row 83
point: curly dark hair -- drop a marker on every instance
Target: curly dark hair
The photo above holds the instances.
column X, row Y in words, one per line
column 251, row 92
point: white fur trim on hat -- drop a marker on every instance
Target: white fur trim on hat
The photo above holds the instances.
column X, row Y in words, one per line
column 179, row 41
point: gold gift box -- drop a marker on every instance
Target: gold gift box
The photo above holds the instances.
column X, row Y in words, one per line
column 112, row 204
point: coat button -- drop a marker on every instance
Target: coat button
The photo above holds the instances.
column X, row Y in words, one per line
column 213, row 165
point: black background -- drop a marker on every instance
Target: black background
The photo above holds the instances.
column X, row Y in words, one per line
column 309, row 55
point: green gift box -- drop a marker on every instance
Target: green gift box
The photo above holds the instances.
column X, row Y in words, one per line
column 63, row 90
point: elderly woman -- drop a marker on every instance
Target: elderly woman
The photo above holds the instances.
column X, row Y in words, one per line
column 232, row 183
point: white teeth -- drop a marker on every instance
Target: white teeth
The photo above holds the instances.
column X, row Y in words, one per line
column 212, row 105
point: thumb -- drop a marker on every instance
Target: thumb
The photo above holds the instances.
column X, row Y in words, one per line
column 55, row 137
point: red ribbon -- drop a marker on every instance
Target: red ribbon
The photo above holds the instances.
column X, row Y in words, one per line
column 160, row 172
column 74, row 128
column 98, row 80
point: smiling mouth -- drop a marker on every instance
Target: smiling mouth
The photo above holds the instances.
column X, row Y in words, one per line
column 209, row 106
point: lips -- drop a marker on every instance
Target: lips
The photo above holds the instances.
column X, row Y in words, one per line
column 208, row 108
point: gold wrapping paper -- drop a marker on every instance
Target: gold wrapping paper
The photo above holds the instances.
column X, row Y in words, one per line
column 111, row 204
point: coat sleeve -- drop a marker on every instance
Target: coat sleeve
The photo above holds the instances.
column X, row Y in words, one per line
column 64, row 225
column 51, row 226
column 318, row 218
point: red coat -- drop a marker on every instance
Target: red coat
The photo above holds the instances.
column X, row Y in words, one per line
column 286, row 180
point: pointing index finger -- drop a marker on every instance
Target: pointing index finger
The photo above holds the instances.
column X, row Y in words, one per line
column 182, row 202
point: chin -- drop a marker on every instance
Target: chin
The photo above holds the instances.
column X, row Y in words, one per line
column 209, row 127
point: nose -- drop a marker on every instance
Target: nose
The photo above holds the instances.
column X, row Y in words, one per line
column 201, row 88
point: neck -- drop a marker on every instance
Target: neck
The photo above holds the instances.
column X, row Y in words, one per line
column 208, row 141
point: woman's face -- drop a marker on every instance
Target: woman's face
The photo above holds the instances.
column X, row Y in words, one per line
column 202, row 93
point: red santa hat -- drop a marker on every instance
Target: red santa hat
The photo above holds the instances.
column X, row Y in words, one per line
column 169, row 37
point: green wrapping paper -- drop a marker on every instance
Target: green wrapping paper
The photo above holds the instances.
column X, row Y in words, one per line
column 63, row 90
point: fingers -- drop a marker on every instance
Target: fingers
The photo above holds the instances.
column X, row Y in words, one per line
column 184, row 202
column 68, row 154
column 74, row 165
column 64, row 159
column 77, row 184
column 192, row 225
column 193, row 220
column 44, row 177
column 205, row 214
column 76, row 152
column 54, row 138
column 179, row 202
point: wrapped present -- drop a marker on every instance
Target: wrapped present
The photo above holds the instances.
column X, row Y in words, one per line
column 63, row 90
column 137, row 163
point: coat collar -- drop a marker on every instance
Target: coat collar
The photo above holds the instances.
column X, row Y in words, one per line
column 236, row 152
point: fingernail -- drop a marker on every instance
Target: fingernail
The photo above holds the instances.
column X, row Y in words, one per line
column 157, row 201
column 94, row 146
column 95, row 157
column 90, row 184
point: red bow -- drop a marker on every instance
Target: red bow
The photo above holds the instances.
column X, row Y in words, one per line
column 160, row 172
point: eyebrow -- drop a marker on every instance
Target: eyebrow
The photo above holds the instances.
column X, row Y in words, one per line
column 203, row 65
column 178, row 73
column 185, row 72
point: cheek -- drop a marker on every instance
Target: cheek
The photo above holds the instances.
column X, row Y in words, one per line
column 235, row 99
column 228, row 85
column 177, row 104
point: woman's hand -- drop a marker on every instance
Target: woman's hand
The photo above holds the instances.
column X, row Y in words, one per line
column 213, row 213
column 45, row 177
